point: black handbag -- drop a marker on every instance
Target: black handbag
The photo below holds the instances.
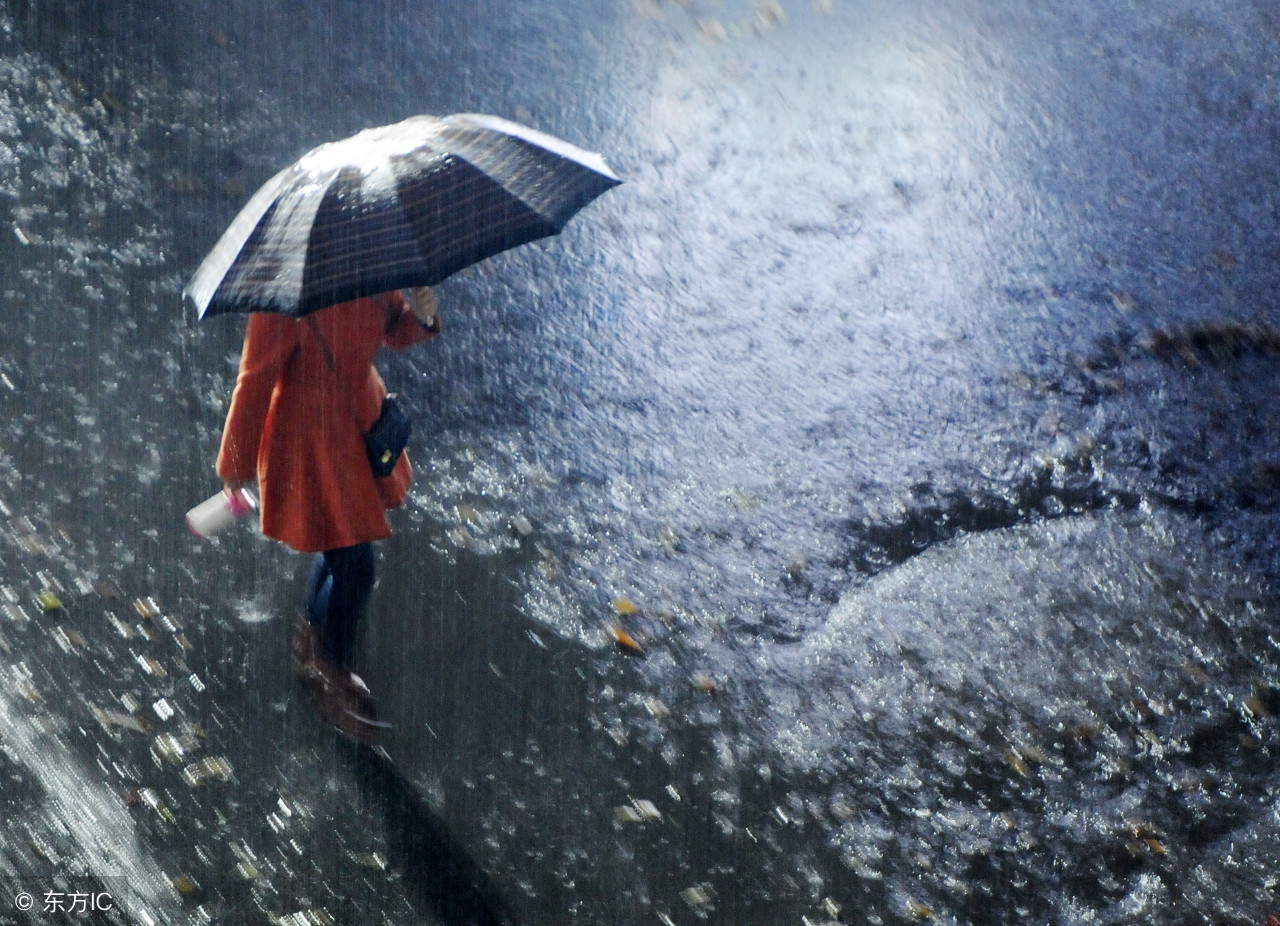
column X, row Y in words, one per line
column 389, row 435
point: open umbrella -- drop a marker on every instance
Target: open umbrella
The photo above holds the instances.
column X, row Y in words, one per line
column 392, row 207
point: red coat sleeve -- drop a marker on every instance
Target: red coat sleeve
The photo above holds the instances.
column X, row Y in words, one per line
column 403, row 327
column 268, row 345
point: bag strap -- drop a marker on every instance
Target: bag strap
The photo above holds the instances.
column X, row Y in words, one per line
column 333, row 365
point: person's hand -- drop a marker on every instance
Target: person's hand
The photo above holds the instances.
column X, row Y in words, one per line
column 425, row 307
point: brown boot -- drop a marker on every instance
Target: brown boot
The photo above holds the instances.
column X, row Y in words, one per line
column 350, row 714
column 305, row 650
column 342, row 697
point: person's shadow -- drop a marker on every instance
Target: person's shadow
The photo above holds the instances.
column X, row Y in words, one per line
column 439, row 875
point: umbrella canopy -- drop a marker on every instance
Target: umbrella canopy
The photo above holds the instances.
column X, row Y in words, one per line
column 392, row 207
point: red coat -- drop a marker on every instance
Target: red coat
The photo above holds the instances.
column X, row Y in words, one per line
column 291, row 426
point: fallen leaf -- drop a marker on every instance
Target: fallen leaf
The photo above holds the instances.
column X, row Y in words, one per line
column 625, row 641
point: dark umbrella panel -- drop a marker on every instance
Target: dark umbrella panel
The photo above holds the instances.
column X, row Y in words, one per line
column 397, row 206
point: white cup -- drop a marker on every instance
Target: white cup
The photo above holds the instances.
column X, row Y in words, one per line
column 215, row 513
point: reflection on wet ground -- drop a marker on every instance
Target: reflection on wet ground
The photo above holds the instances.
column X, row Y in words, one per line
column 867, row 514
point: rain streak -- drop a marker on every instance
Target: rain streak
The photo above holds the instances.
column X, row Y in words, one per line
column 865, row 512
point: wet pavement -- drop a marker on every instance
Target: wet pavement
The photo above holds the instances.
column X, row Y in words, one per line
column 864, row 514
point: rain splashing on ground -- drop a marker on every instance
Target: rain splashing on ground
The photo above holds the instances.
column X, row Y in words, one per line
column 864, row 514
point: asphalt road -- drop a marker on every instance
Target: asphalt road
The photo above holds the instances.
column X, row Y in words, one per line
column 911, row 406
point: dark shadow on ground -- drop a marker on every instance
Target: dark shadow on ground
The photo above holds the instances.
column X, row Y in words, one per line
column 439, row 875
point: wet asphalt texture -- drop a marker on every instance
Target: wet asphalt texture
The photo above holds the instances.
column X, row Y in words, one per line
column 911, row 407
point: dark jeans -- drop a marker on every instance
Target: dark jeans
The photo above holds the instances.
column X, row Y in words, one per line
column 340, row 587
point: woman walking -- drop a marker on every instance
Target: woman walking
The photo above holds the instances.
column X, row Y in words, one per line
column 306, row 395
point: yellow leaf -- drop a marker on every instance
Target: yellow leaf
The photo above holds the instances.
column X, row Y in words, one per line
column 625, row 641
